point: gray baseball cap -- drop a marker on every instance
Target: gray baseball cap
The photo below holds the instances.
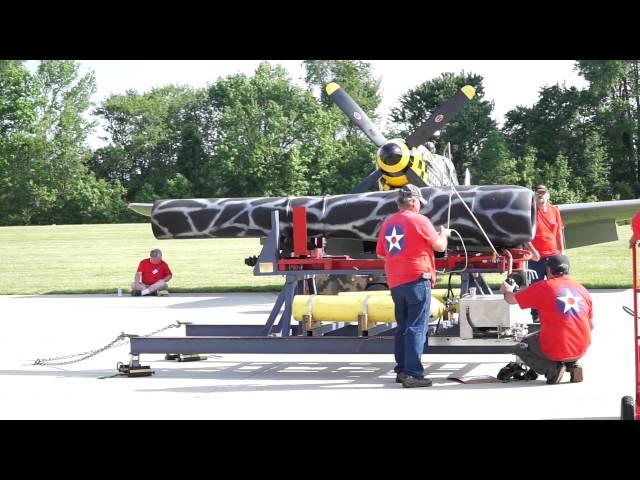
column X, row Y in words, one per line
column 410, row 191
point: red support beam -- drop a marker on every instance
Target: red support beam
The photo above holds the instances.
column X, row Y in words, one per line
column 300, row 232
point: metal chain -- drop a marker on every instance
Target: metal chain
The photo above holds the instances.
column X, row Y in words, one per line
column 118, row 341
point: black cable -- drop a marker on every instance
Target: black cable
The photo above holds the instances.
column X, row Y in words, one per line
column 449, row 293
column 628, row 310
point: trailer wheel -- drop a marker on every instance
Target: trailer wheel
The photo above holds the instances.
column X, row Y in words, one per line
column 376, row 287
column 628, row 409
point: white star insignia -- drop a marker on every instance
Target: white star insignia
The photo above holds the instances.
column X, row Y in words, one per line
column 570, row 301
column 394, row 239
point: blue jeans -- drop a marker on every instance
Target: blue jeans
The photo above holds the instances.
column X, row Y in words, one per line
column 412, row 302
column 539, row 266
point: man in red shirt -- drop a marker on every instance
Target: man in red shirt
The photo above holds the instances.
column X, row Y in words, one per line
column 566, row 321
column 548, row 240
column 152, row 276
column 406, row 243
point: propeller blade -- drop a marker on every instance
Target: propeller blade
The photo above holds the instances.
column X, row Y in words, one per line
column 415, row 179
column 368, row 182
column 441, row 117
column 355, row 113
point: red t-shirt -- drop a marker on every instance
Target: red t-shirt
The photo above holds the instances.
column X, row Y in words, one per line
column 635, row 225
column 547, row 226
column 152, row 273
column 566, row 316
column 405, row 240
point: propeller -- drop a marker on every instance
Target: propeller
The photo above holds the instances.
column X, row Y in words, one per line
column 367, row 183
column 441, row 116
column 355, row 113
column 394, row 156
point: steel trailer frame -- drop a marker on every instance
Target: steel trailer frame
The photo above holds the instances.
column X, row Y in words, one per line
column 282, row 337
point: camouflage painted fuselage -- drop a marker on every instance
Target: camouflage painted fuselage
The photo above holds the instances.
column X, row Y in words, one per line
column 506, row 213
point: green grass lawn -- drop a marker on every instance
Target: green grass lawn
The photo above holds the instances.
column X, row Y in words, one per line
column 101, row 258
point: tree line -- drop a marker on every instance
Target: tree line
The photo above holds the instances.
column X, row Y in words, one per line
column 261, row 135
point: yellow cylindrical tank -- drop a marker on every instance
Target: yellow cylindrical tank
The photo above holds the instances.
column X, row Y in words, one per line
column 438, row 293
column 346, row 308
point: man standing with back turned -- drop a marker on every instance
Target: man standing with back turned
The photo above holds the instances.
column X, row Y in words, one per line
column 406, row 243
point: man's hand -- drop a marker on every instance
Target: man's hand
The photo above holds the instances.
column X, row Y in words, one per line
column 507, row 290
column 535, row 255
column 440, row 245
column 506, row 287
column 444, row 231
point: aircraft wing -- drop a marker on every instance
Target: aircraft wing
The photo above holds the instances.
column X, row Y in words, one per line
column 592, row 223
column 142, row 208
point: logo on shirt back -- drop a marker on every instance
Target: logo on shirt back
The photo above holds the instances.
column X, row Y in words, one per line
column 394, row 235
column 569, row 302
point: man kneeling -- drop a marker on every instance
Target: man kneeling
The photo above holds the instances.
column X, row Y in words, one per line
column 566, row 321
column 152, row 276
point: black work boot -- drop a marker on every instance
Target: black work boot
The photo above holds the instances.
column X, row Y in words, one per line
column 576, row 372
column 400, row 377
column 554, row 374
column 413, row 382
column 512, row 371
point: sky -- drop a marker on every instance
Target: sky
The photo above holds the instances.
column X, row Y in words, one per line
column 508, row 83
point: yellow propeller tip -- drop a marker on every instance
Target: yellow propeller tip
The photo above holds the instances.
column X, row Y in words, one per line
column 332, row 87
column 469, row 91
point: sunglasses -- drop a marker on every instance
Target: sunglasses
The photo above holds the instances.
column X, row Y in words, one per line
column 541, row 192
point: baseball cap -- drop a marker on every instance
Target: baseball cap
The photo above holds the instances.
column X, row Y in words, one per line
column 559, row 264
column 410, row 191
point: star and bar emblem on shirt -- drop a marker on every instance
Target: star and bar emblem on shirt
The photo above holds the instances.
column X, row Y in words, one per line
column 394, row 235
column 569, row 302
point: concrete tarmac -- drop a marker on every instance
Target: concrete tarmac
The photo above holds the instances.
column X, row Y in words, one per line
column 275, row 386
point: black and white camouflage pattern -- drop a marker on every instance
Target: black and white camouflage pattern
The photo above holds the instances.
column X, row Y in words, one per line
column 506, row 213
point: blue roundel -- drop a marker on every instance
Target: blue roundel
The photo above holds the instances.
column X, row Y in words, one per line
column 569, row 302
column 394, row 239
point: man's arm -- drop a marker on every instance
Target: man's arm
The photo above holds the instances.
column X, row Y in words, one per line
column 560, row 233
column 633, row 241
column 507, row 290
column 138, row 276
column 167, row 271
column 560, row 239
column 535, row 255
column 440, row 245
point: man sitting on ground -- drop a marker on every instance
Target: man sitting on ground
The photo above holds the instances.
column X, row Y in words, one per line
column 566, row 321
column 152, row 276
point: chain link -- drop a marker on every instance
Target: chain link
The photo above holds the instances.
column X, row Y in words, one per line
column 117, row 342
